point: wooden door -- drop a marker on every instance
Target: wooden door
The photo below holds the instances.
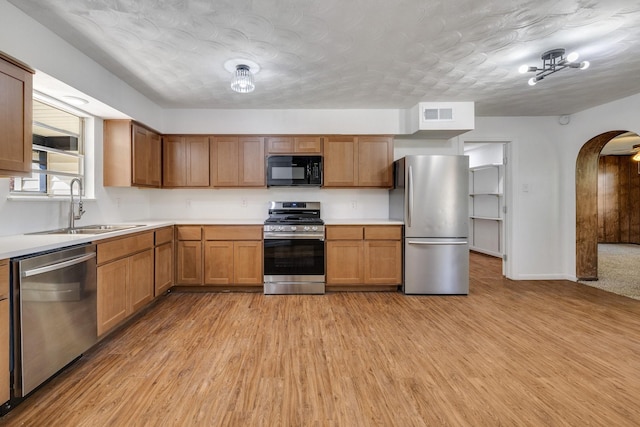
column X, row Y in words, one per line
column 307, row 145
column 155, row 159
column 251, row 162
column 345, row 262
column 197, row 164
column 218, row 262
column 383, row 262
column 224, row 160
column 340, row 162
column 174, row 162
column 16, row 115
column 140, row 280
column 189, row 262
column 375, row 161
column 279, row 145
column 163, row 279
column 141, row 151
column 247, row 263
column 112, row 294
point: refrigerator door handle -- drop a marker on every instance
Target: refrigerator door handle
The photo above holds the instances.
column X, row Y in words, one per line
column 435, row 243
column 410, row 191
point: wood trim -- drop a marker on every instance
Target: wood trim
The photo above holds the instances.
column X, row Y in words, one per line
column 587, row 205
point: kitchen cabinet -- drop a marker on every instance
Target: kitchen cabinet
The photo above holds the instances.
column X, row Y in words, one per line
column 125, row 276
column 4, row 331
column 364, row 254
column 189, row 255
column 237, row 161
column 185, row 161
column 16, row 116
column 233, row 255
column 294, row 145
column 163, row 278
column 131, row 155
column 358, row 161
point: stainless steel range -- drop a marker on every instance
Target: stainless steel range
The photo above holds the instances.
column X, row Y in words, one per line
column 294, row 249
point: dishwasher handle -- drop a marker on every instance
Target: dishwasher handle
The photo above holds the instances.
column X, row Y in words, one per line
column 60, row 265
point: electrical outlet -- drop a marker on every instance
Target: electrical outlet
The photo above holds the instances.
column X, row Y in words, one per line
column 354, row 204
column 188, row 203
column 243, row 203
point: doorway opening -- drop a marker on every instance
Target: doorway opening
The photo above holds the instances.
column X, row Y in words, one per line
column 607, row 199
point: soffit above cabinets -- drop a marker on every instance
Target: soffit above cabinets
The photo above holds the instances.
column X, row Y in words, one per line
column 332, row 54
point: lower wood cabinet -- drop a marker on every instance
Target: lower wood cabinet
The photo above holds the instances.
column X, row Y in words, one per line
column 364, row 255
column 4, row 331
column 233, row 255
column 163, row 260
column 215, row 255
column 125, row 276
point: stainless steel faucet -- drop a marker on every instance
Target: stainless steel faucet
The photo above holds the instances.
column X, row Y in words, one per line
column 73, row 216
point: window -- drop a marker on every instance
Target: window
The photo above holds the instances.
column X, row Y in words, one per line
column 58, row 152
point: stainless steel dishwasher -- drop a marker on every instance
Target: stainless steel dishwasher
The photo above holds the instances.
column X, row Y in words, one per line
column 54, row 313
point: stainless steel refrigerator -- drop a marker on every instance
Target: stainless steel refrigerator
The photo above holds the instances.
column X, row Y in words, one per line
column 431, row 196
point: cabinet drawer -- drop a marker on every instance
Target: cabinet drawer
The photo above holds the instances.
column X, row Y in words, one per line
column 345, row 232
column 125, row 246
column 233, row 232
column 4, row 277
column 383, row 232
column 189, row 232
column 164, row 235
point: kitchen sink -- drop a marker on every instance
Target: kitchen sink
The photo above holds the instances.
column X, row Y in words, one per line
column 89, row 229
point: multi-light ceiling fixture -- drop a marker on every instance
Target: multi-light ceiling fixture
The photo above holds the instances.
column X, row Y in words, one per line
column 553, row 61
column 243, row 71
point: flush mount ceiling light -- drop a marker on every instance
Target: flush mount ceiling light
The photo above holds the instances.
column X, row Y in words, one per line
column 553, row 61
column 243, row 71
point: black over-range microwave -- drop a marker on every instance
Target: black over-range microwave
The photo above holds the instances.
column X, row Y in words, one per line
column 294, row 171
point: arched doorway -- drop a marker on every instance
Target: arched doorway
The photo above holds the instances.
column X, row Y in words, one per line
column 587, row 205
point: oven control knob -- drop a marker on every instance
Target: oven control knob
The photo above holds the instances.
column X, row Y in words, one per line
column 306, row 228
column 293, row 228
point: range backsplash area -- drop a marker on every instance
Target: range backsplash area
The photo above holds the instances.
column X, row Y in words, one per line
column 248, row 204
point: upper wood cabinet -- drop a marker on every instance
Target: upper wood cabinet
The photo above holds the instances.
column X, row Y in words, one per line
column 358, row 161
column 131, row 155
column 185, row 161
column 237, row 161
column 16, row 117
column 294, row 145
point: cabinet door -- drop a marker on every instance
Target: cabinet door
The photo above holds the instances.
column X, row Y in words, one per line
column 141, row 151
column 218, row 262
column 247, row 263
column 163, row 268
column 140, row 288
column 224, row 160
column 307, row 144
column 112, row 294
column 174, row 173
column 16, row 113
column 197, row 167
column 345, row 262
column 383, row 262
column 155, row 159
column 280, row 145
column 340, row 162
column 375, row 160
column 189, row 262
column 251, row 161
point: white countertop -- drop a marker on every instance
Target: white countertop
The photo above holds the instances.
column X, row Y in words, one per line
column 26, row 244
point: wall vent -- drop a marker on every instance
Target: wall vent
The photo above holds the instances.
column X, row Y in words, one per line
column 437, row 114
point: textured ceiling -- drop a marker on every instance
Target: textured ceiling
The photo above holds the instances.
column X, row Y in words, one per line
column 358, row 53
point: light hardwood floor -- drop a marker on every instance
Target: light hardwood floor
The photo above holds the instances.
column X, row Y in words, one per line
column 531, row 353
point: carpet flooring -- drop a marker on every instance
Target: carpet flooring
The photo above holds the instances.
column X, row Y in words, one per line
column 618, row 269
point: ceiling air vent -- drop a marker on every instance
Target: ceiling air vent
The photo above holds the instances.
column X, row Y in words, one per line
column 437, row 114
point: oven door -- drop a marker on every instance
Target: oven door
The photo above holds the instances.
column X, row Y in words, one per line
column 293, row 260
